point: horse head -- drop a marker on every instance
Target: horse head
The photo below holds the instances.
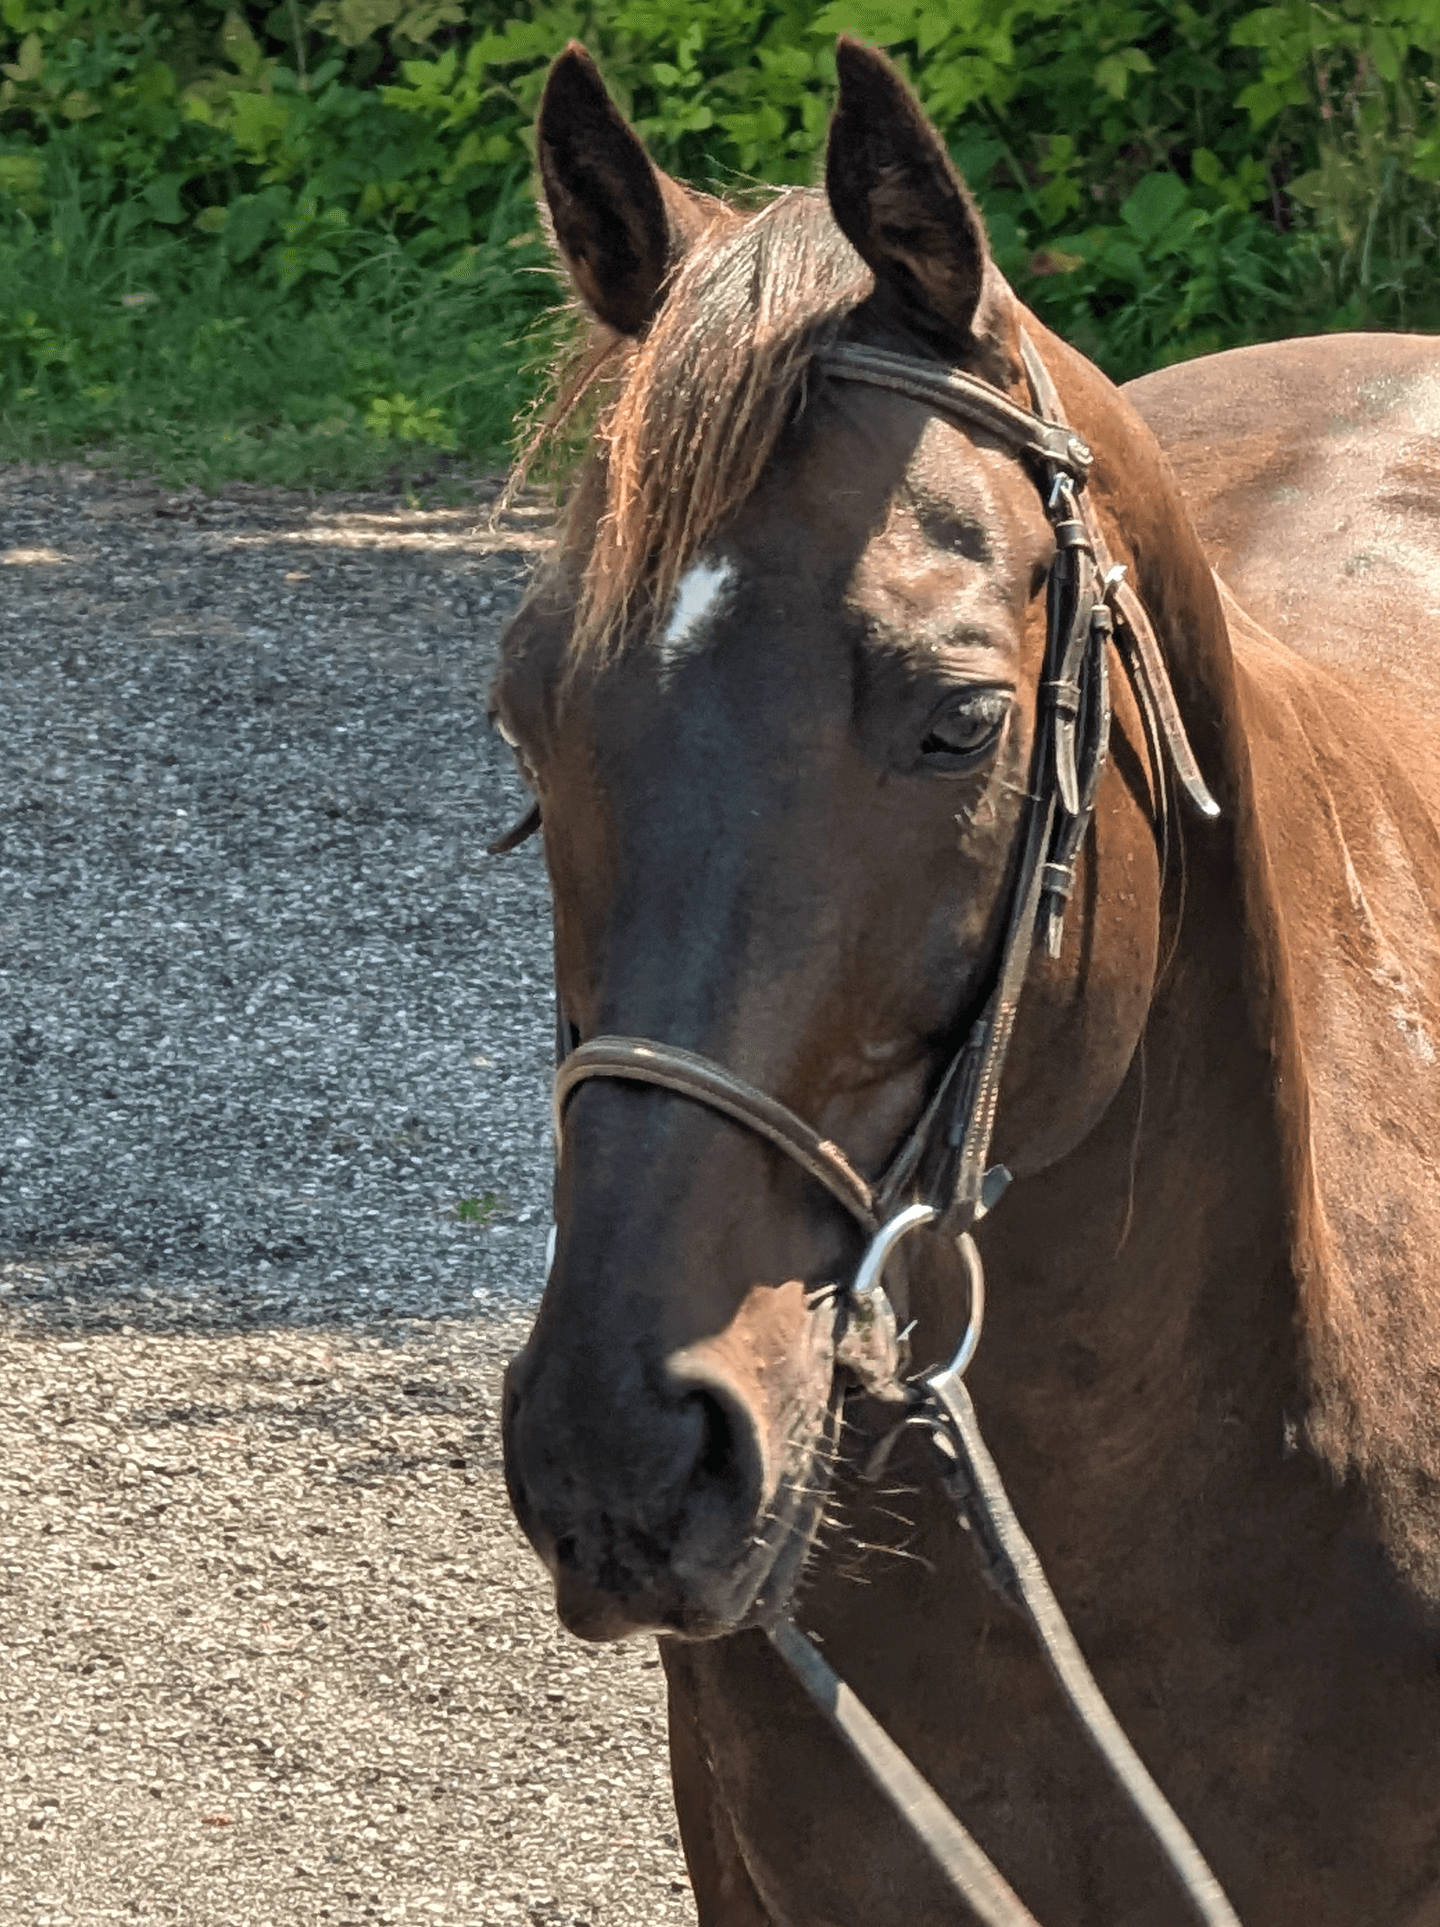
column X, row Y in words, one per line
column 777, row 694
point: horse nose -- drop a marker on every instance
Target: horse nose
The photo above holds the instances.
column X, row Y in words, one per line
column 640, row 1501
column 726, row 1478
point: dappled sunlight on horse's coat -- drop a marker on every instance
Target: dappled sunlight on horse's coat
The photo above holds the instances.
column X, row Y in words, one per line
column 777, row 695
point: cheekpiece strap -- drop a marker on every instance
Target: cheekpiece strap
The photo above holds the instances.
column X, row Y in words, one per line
column 1089, row 603
column 1134, row 631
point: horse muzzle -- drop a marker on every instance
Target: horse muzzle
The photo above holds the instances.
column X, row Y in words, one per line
column 665, row 1502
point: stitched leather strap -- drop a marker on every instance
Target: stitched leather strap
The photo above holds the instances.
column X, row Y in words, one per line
column 1140, row 650
column 639, row 1060
column 968, row 399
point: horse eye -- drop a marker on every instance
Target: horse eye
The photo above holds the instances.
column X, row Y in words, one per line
column 966, row 729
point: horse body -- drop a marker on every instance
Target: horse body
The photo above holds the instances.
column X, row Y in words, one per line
column 1311, row 471
column 1210, row 1355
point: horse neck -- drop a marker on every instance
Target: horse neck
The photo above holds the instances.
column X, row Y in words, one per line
column 1144, row 1301
column 1141, row 1290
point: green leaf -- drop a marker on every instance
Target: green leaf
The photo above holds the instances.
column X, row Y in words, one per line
column 162, row 197
column 253, row 218
column 1124, row 261
column 1152, row 205
column 1425, row 161
column 22, row 176
column 241, row 47
column 418, row 23
column 1266, row 27
column 934, row 26
column 1114, row 71
column 1386, row 54
column 31, row 62
column 1307, row 189
column 1205, row 167
column 886, row 22
column 1266, row 98
column 258, row 122
column 352, row 22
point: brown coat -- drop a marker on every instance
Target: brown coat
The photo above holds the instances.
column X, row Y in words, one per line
column 776, row 695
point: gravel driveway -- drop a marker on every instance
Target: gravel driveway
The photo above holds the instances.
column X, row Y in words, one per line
column 273, row 1175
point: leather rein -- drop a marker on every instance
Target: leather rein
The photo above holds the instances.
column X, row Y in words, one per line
column 941, row 1167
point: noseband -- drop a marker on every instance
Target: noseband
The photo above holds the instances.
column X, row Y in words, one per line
column 941, row 1166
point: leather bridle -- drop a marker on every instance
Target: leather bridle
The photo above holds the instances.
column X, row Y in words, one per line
column 1089, row 606
column 941, row 1167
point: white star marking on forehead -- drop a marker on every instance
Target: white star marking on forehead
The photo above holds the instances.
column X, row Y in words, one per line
column 700, row 591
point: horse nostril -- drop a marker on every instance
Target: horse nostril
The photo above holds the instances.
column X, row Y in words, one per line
column 726, row 1465
column 716, row 1460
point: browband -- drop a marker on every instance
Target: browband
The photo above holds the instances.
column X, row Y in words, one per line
column 978, row 403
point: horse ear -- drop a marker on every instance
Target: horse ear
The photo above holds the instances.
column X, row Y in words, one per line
column 620, row 224
column 898, row 200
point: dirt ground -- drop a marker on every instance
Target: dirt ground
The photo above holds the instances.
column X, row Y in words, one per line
column 272, row 1651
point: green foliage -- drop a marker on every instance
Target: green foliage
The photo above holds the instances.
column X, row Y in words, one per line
column 298, row 240
column 1361, row 82
column 116, row 328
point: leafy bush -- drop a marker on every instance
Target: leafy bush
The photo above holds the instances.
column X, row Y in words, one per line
column 298, row 240
column 1354, row 92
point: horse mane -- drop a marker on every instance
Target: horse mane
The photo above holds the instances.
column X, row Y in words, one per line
column 702, row 398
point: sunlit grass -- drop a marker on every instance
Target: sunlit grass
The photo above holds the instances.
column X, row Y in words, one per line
column 146, row 348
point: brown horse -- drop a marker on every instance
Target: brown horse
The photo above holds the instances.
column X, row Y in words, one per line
column 777, row 694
